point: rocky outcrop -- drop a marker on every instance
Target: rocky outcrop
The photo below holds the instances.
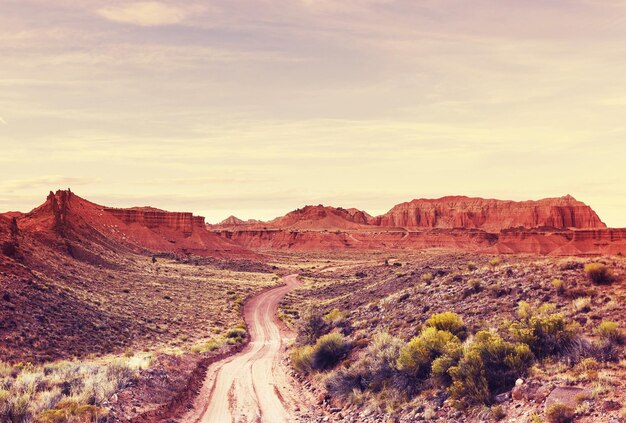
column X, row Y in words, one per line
column 321, row 217
column 154, row 218
column 86, row 228
column 491, row 215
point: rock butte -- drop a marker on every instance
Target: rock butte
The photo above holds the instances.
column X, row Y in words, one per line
column 68, row 217
column 557, row 226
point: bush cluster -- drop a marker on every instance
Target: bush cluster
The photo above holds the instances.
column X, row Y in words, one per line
column 310, row 327
column 63, row 391
column 374, row 371
column 326, row 353
column 489, row 366
column 473, row 370
column 545, row 332
column 450, row 322
column 416, row 358
column 599, row 273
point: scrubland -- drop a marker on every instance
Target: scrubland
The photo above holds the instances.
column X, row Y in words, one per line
column 462, row 337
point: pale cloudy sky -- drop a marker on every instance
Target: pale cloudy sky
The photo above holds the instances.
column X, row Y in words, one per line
column 255, row 108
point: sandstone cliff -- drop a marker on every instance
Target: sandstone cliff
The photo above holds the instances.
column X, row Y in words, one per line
column 86, row 226
column 491, row 215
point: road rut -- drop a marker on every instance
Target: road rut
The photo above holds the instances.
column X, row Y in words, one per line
column 251, row 386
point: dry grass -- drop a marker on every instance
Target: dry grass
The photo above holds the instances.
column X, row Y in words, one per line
column 65, row 390
column 145, row 306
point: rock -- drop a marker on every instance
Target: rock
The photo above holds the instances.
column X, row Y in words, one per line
column 567, row 395
column 611, row 405
column 537, row 393
column 503, row 397
column 518, row 393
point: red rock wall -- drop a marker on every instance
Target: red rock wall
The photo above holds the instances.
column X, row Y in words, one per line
column 491, row 215
column 177, row 221
column 563, row 242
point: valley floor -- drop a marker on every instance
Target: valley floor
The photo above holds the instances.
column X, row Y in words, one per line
column 167, row 336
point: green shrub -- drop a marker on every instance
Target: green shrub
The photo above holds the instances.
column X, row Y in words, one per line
column 471, row 266
column 599, row 274
column 208, row 346
column 427, row 278
column 301, row 359
column 334, row 317
column 328, row 351
column 416, row 357
column 236, row 335
column 374, row 371
column 474, row 284
column 310, row 327
column 610, row 332
column 489, row 366
column 545, row 332
column 559, row 413
column 450, row 322
column 495, row 262
column 610, row 341
column 558, row 285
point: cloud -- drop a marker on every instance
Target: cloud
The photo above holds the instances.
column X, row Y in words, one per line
column 144, row 14
column 49, row 182
column 2, row 121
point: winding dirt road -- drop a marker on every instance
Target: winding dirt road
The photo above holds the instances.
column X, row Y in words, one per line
column 252, row 386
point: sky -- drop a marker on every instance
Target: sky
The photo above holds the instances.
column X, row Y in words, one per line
column 255, row 108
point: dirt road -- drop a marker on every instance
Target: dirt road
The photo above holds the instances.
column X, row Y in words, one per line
column 251, row 386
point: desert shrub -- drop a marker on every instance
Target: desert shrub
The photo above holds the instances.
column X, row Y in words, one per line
column 374, row 371
column 310, row 327
column 208, row 346
column 599, row 274
column 495, row 262
column 379, row 360
column 236, row 333
column 559, row 413
column 328, row 351
column 450, row 322
column 14, row 408
column 497, row 413
column 301, row 358
column 581, row 304
column 471, row 266
column 474, row 285
column 70, row 409
column 490, row 365
column 334, row 317
column 610, row 341
column 416, row 357
column 558, row 285
column 545, row 332
column 610, row 332
column 64, row 391
column 427, row 278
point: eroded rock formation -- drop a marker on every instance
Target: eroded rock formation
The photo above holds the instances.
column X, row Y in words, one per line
column 491, row 215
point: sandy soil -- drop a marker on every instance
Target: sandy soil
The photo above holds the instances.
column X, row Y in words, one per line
column 252, row 386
